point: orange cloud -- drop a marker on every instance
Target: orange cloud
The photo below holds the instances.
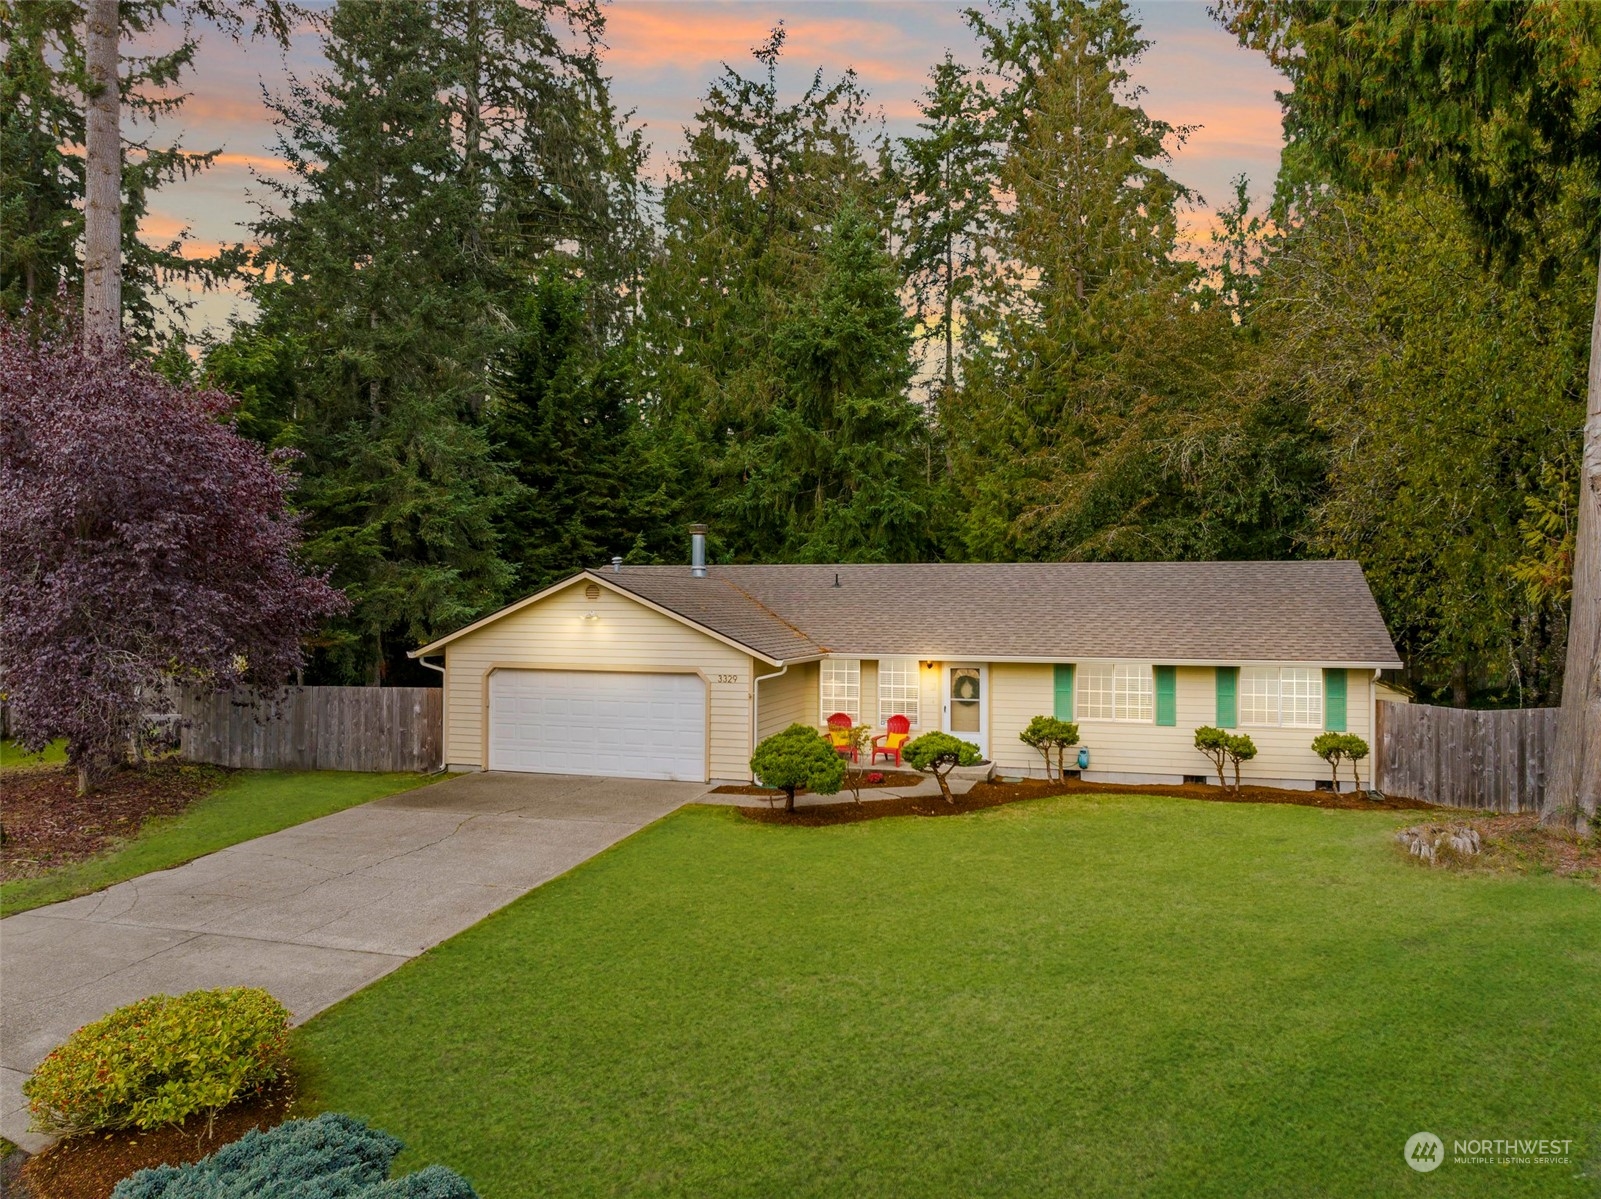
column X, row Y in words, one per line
column 692, row 38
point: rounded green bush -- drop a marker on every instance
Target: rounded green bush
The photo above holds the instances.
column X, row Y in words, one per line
column 160, row 1061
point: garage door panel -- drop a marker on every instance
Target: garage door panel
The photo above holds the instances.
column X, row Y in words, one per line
column 598, row 722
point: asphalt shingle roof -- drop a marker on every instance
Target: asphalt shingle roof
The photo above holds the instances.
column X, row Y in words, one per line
column 1170, row 612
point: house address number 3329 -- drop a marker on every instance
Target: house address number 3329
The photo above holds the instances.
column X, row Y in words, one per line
column 728, row 678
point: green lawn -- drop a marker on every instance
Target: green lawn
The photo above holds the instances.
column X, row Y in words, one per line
column 250, row 804
column 1085, row 996
column 51, row 755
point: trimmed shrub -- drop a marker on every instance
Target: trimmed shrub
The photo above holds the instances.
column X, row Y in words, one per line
column 1047, row 734
column 1214, row 743
column 798, row 757
column 1334, row 748
column 331, row 1157
column 1239, row 748
column 940, row 753
column 160, row 1061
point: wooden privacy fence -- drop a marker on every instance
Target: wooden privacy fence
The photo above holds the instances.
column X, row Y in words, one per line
column 1463, row 758
column 315, row 728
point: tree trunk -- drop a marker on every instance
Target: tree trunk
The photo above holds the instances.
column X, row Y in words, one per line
column 102, row 209
column 1574, row 783
column 944, row 787
column 789, row 799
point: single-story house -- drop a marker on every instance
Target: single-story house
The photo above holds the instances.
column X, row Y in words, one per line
column 678, row 671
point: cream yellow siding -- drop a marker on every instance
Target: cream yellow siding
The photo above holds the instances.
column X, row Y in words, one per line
column 869, row 693
column 1284, row 755
column 931, row 698
column 625, row 635
column 1018, row 693
column 789, row 699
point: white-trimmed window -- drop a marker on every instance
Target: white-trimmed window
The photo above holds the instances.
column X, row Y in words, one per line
column 1115, row 691
column 899, row 689
column 1287, row 696
column 840, row 688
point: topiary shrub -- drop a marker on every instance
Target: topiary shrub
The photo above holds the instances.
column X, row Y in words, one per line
column 798, row 757
column 1049, row 735
column 1214, row 743
column 330, row 1157
column 160, row 1061
column 1334, row 748
column 1239, row 748
column 940, row 753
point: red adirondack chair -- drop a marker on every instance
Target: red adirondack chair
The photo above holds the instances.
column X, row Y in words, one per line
column 899, row 731
column 839, row 734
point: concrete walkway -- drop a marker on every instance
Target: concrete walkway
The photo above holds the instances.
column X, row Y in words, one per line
column 312, row 913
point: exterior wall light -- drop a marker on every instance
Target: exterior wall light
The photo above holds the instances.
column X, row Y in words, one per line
column 592, row 615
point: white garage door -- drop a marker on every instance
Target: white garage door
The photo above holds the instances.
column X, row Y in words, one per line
column 638, row 726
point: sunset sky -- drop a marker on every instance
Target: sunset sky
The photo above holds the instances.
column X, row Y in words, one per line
column 662, row 53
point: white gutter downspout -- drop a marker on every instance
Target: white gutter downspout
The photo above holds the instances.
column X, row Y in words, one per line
column 445, row 750
column 1373, row 730
column 756, row 700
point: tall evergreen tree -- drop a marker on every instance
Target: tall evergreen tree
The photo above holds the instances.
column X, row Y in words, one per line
column 567, row 427
column 44, row 84
column 452, row 146
column 1086, row 303
column 1498, row 102
column 950, row 180
column 771, row 419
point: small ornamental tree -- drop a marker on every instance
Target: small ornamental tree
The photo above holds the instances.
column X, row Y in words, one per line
column 940, row 753
column 1240, row 748
column 859, row 738
column 1214, row 743
column 798, row 757
column 145, row 542
column 1334, row 748
column 1049, row 735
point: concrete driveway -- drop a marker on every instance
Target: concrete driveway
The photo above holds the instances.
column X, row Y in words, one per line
column 312, row 913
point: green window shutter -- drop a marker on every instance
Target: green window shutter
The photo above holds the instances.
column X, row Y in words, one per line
column 1334, row 701
column 1167, row 695
column 1228, row 697
column 1064, row 691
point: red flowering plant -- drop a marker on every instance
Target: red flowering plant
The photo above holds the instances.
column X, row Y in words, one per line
column 145, row 542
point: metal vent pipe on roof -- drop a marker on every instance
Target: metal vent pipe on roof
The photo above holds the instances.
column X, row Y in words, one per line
column 697, row 551
column 617, row 566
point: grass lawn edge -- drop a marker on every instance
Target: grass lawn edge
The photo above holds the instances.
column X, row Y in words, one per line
column 167, row 842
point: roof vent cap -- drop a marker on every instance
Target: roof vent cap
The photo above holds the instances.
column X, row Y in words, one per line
column 697, row 551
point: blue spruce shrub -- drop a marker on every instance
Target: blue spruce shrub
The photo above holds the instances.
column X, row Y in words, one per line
column 330, row 1157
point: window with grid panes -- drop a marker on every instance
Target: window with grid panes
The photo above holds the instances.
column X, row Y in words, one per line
column 899, row 689
column 840, row 688
column 1115, row 691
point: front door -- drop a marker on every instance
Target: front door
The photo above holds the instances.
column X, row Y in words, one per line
column 966, row 704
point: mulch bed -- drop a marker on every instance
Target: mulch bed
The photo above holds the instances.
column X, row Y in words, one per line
column 994, row 794
column 892, row 778
column 88, row 1167
column 47, row 824
column 1519, row 843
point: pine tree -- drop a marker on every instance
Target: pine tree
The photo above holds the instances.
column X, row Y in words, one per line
column 43, row 90
column 772, row 211
column 1084, row 305
column 835, row 469
column 950, row 180
column 452, row 146
column 567, row 428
